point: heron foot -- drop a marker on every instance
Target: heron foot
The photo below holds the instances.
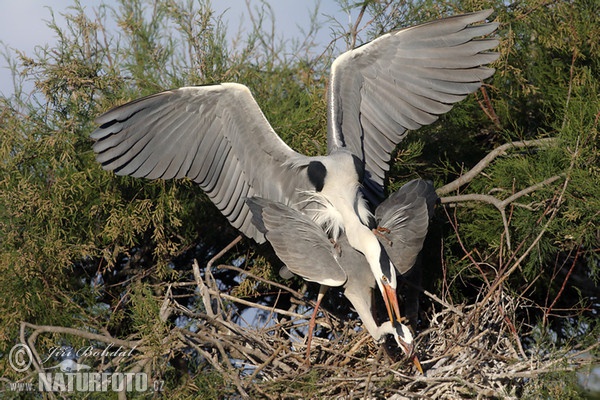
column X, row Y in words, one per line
column 381, row 232
column 337, row 247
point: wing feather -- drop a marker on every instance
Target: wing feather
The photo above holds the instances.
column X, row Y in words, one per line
column 300, row 243
column 215, row 135
column 402, row 81
column 405, row 216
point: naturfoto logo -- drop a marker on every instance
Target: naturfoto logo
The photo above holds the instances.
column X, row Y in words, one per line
column 70, row 375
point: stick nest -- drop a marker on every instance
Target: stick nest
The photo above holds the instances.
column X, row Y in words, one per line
column 467, row 351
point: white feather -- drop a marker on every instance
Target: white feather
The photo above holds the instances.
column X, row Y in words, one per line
column 322, row 212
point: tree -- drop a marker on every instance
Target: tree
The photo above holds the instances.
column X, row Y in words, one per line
column 88, row 257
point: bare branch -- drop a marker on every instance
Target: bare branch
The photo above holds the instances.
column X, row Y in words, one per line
column 500, row 204
column 499, row 151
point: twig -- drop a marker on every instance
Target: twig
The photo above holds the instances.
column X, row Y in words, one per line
column 354, row 31
column 444, row 303
column 255, row 305
column 562, row 288
column 204, row 293
column 500, row 204
column 499, row 151
column 266, row 362
column 532, row 246
column 468, row 254
column 222, row 252
column 38, row 329
column 258, row 278
column 487, row 107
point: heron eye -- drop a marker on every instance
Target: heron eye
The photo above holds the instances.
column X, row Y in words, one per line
column 384, row 279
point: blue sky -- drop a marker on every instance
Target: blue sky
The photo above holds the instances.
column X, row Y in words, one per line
column 23, row 23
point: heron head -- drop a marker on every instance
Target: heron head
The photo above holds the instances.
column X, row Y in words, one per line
column 405, row 341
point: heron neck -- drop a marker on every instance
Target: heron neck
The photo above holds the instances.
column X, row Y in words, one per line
column 359, row 235
column 363, row 309
column 362, row 239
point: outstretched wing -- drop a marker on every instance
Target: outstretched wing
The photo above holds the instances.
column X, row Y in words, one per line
column 300, row 243
column 405, row 216
column 215, row 135
column 402, row 81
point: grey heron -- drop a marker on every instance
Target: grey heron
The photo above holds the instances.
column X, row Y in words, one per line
column 218, row 137
column 404, row 217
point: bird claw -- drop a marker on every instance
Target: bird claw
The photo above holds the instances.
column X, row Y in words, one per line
column 381, row 232
column 337, row 247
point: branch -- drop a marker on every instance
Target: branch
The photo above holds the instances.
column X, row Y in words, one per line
column 293, row 292
column 499, row 151
column 500, row 204
column 487, row 107
column 206, row 292
column 37, row 329
column 539, row 236
column 354, row 31
column 222, row 252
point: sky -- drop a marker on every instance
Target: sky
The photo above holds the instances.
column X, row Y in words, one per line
column 23, row 23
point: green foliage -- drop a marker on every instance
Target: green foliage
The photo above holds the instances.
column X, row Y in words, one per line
column 557, row 385
column 565, row 105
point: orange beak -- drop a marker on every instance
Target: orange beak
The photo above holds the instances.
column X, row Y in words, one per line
column 391, row 302
column 415, row 361
column 409, row 350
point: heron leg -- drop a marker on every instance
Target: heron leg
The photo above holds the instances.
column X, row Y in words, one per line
column 313, row 321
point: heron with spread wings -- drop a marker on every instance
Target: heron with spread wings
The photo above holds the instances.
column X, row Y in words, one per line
column 217, row 136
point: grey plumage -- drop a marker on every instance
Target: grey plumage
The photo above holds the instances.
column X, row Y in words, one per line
column 307, row 252
column 402, row 81
column 300, row 243
column 404, row 217
column 217, row 135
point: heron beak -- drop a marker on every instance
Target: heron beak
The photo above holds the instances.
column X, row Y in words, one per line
column 391, row 302
column 409, row 349
column 415, row 361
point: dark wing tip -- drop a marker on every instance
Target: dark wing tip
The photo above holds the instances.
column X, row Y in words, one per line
column 256, row 206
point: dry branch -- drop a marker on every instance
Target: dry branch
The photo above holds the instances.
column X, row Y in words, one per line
column 487, row 160
column 501, row 205
column 468, row 350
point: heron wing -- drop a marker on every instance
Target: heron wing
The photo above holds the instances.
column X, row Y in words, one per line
column 402, row 81
column 300, row 243
column 405, row 216
column 214, row 135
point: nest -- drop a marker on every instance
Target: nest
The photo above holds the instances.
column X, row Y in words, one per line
column 467, row 351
